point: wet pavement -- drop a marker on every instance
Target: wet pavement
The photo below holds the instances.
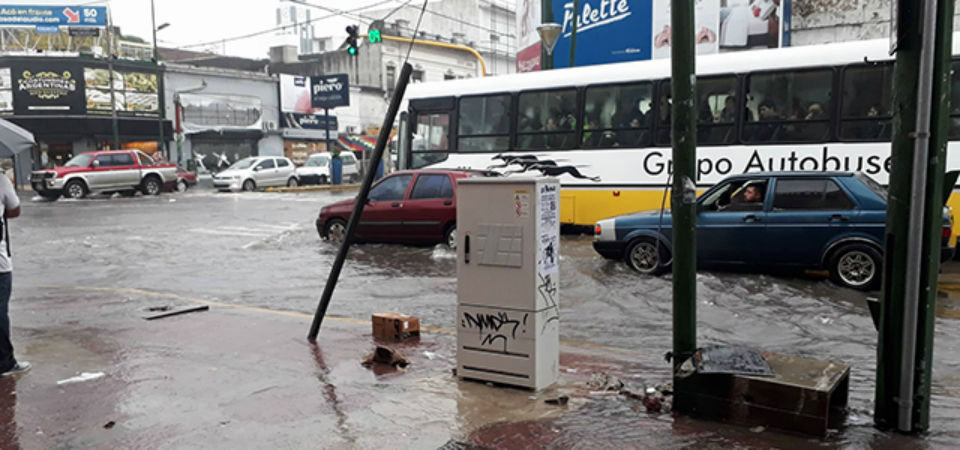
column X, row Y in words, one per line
column 87, row 271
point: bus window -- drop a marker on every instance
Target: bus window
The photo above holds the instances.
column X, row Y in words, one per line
column 616, row 116
column 662, row 119
column 433, row 131
column 867, row 96
column 955, row 101
column 789, row 106
column 547, row 120
column 430, row 140
column 484, row 124
column 717, row 110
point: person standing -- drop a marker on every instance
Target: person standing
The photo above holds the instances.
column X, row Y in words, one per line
column 9, row 209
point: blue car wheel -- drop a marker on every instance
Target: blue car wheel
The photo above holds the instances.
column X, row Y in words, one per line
column 647, row 256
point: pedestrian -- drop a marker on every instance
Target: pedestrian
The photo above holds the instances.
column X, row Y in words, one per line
column 9, row 209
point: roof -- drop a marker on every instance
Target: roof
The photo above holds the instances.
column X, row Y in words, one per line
column 806, row 174
column 723, row 63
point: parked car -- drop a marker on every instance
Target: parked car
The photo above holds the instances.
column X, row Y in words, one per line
column 801, row 220
column 123, row 171
column 255, row 172
column 410, row 207
column 185, row 179
column 318, row 168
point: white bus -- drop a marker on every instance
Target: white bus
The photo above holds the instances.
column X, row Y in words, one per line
column 823, row 107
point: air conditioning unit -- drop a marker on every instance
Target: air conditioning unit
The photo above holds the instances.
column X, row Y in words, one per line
column 269, row 125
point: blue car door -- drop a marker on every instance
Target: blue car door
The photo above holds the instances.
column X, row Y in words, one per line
column 807, row 214
column 732, row 233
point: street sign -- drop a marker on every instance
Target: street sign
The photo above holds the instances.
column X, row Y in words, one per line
column 330, row 91
column 84, row 32
column 48, row 29
column 26, row 15
column 375, row 37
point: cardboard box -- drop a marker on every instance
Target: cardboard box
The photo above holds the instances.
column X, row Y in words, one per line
column 395, row 326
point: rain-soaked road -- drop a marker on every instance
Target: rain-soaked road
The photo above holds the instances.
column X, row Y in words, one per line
column 262, row 250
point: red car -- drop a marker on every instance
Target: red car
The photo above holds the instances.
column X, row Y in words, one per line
column 185, row 179
column 411, row 207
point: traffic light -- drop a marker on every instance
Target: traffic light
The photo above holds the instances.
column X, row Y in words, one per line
column 375, row 37
column 353, row 47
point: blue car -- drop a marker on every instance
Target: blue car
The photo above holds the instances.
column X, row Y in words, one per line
column 798, row 220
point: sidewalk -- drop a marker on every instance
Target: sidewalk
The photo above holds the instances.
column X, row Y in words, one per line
column 240, row 377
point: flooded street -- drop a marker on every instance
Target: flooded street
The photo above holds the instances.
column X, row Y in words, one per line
column 262, row 250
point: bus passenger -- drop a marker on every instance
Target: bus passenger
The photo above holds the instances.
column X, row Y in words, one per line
column 768, row 112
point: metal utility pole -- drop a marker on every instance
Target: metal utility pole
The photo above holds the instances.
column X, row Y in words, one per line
column 360, row 202
column 162, row 142
column 573, row 34
column 921, row 85
column 113, row 94
column 683, row 202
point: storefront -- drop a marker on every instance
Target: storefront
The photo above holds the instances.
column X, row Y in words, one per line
column 66, row 104
column 224, row 116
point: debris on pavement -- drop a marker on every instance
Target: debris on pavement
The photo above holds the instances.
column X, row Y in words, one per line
column 723, row 359
column 605, row 382
column 430, row 355
column 109, row 424
column 159, row 308
column 388, row 356
column 561, row 400
column 85, row 376
column 178, row 312
column 394, row 326
column 759, row 429
column 655, row 400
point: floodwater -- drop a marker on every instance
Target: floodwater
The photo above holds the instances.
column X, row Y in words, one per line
column 263, row 250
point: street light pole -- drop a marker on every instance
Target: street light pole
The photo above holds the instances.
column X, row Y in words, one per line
column 162, row 142
column 549, row 33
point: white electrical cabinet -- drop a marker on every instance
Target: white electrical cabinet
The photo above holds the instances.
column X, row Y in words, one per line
column 508, row 262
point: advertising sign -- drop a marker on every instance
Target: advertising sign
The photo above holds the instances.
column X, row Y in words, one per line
column 330, row 91
column 47, row 88
column 738, row 25
column 608, row 31
column 6, row 92
column 297, row 110
column 528, row 59
column 135, row 93
column 307, row 121
column 611, row 31
column 27, row 15
column 529, row 14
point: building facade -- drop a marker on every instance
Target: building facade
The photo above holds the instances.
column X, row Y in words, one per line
column 69, row 106
column 222, row 116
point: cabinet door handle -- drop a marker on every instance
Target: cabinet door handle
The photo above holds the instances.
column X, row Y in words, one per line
column 466, row 249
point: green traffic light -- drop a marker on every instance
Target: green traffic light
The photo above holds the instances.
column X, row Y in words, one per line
column 352, row 51
column 374, row 36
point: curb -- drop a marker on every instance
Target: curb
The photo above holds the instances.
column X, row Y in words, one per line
column 341, row 187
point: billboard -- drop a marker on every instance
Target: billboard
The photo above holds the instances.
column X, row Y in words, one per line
column 50, row 87
column 529, row 16
column 47, row 88
column 47, row 16
column 296, row 107
column 611, row 31
column 135, row 93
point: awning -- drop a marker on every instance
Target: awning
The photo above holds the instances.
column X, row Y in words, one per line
column 357, row 143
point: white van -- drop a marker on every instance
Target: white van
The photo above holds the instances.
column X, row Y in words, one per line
column 318, row 167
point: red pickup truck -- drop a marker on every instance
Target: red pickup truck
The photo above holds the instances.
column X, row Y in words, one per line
column 123, row 171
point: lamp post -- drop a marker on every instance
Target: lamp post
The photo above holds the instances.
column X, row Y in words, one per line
column 549, row 33
column 161, row 142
